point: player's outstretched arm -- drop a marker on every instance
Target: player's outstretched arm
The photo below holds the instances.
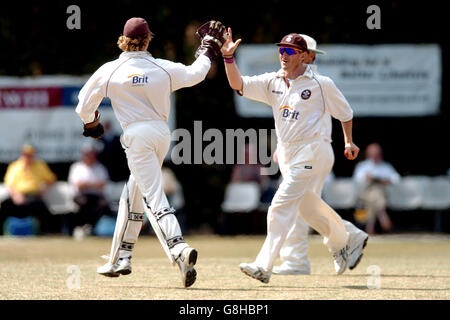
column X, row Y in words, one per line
column 231, row 69
column 351, row 149
column 212, row 36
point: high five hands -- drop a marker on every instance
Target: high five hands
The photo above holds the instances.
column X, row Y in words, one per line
column 229, row 46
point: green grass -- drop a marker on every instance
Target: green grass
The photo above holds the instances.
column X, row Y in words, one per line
column 413, row 266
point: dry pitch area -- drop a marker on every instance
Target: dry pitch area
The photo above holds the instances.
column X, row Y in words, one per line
column 413, row 266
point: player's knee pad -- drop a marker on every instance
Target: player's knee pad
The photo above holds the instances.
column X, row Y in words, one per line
column 169, row 226
column 132, row 230
column 166, row 227
column 163, row 212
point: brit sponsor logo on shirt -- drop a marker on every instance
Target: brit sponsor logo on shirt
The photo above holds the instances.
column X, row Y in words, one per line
column 138, row 79
column 289, row 113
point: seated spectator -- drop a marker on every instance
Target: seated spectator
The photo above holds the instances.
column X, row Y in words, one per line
column 89, row 177
column 372, row 176
column 27, row 180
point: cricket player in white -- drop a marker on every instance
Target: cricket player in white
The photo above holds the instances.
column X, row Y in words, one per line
column 300, row 100
column 139, row 87
column 294, row 252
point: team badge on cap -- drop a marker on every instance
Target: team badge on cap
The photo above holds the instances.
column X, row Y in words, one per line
column 306, row 94
column 293, row 40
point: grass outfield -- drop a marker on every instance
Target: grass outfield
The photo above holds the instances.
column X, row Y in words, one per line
column 413, row 266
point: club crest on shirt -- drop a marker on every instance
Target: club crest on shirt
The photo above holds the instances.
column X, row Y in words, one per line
column 138, row 79
column 306, row 94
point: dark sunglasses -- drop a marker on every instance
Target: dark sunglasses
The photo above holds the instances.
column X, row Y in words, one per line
column 289, row 51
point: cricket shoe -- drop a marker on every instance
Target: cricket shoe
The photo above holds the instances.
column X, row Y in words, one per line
column 286, row 269
column 341, row 260
column 186, row 262
column 356, row 244
column 255, row 272
column 122, row 267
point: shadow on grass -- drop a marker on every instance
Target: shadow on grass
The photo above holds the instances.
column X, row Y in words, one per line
column 259, row 288
column 400, row 276
column 404, row 289
column 249, row 289
column 278, row 288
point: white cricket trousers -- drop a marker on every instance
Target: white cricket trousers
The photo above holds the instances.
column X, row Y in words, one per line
column 301, row 164
column 146, row 144
column 294, row 251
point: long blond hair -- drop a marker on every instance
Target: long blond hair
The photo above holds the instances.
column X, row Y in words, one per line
column 134, row 44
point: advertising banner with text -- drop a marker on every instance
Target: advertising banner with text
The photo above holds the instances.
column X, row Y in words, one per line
column 377, row 80
column 41, row 111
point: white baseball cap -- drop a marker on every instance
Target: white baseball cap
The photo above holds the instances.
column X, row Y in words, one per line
column 312, row 44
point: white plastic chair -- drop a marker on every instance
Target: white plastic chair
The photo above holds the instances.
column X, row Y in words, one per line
column 241, row 197
column 59, row 198
column 340, row 193
column 408, row 193
column 436, row 195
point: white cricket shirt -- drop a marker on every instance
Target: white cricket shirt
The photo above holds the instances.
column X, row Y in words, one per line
column 138, row 86
column 327, row 122
column 301, row 110
column 380, row 170
column 80, row 172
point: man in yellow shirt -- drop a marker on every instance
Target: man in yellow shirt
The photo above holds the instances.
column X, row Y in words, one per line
column 27, row 179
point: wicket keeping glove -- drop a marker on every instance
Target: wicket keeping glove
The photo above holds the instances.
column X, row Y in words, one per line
column 94, row 129
column 213, row 35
